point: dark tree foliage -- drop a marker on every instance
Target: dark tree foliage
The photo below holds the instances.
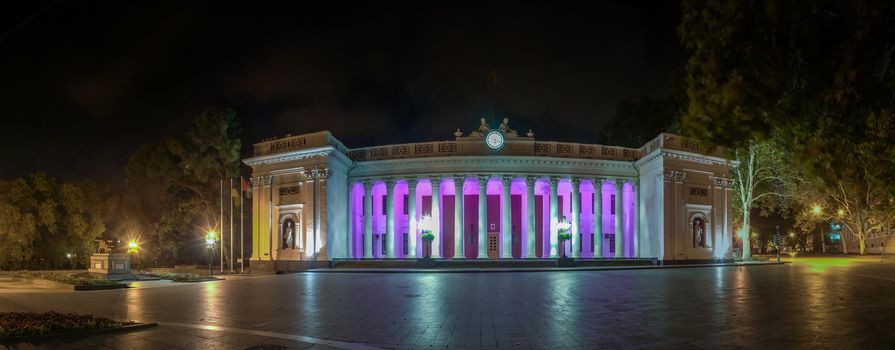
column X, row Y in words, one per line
column 172, row 193
column 637, row 122
column 47, row 224
column 819, row 73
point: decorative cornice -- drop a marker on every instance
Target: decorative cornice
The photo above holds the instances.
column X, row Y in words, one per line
column 491, row 161
column 319, row 152
column 685, row 156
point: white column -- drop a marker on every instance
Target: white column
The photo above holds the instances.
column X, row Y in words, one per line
column 506, row 228
column 598, row 218
column 483, row 217
column 530, row 228
column 458, row 216
column 368, row 219
column 436, row 217
column 618, row 219
column 411, row 218
column 554, row 218
column 576, row 217
column 389, row 219
column 636, row 220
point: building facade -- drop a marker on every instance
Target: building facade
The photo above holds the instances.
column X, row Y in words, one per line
column 487, row 194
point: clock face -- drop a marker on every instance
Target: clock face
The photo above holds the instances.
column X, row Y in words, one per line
column 494, row 140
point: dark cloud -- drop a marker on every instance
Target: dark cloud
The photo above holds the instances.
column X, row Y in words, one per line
column 85, row 84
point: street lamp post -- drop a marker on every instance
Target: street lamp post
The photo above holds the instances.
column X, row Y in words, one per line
column 133, row 250
column 209, row 244
column 70, row 261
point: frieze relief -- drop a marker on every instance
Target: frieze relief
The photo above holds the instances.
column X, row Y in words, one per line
column 290, row 195
column 722, row 182
column 287, row 145
column 699, row 191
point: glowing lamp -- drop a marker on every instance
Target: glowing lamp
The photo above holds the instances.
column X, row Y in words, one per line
column 209, row 238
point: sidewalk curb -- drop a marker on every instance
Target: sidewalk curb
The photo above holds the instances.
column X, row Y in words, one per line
column 530, row 269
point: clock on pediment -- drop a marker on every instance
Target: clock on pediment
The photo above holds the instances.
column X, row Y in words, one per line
column 494, row 140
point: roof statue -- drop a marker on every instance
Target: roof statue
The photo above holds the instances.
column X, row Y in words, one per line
column 484, row 128
column 505, row 128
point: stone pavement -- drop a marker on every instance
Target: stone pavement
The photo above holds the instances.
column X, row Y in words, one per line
column 812, row 303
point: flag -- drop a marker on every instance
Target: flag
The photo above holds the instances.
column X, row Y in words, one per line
column 246, row 187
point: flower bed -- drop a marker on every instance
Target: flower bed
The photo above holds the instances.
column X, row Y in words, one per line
column 64, row 278
column 179, row 277
column 28, row 324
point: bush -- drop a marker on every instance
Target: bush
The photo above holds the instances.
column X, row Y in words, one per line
column 20, row 324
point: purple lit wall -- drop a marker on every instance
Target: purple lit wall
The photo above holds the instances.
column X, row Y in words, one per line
column 608, row 190
column 628, row 219
column 357, row 220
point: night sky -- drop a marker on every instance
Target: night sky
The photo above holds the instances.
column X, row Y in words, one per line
column 84, row 84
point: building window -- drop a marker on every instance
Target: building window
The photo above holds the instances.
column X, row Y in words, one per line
column 593, row 203
column 384, row 205
column 405, row 206
column 288, row 231
column 612, row 204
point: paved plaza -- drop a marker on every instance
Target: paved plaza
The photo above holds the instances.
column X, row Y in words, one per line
column 812, row 303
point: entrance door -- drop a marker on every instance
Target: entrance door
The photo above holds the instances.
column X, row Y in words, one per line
column 493, row 245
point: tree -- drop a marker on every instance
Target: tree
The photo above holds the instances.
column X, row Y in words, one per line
column 762, row 179
column 818, row 73
column 637, row 122
column 18, row 228
column 42, row 220
column 172, row 191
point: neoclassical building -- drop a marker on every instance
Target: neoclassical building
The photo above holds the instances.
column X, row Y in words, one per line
column 487, row 194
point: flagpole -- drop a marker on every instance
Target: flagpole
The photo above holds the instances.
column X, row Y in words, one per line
column 242, row 262
column 230, row 196
column 221, row 239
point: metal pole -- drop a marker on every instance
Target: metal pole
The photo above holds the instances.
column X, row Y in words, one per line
column 779, row 241
column 221, row 238
column 230, row 196
column 241, row 227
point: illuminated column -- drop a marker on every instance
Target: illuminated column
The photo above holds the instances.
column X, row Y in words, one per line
column 389, row 219
column 554, row 219
column 436, row 217
column 598, row 218
column 458, row 216
column 576, row 217
column 618, row 219
column 530, row 215
column 483, row 217
column 411, row 218
column 636, row 220
column 506, row 229
column 368, row 219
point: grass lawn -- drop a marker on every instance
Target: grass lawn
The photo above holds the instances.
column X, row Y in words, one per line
column 24, row 324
